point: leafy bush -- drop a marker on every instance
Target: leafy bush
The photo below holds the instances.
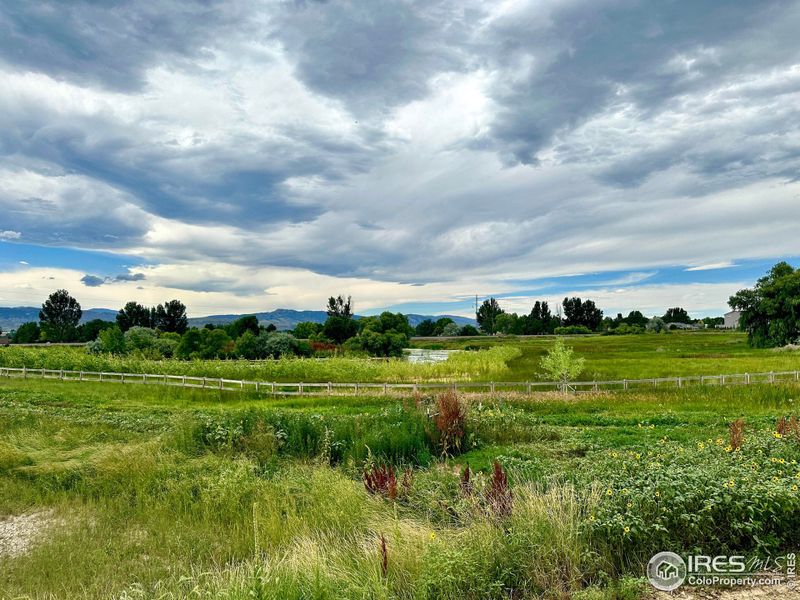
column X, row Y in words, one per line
column 572, row 330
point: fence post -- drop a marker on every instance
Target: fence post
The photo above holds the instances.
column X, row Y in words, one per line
column 61, row 375
column 528, row 386
column 330, row 387
column 123, row 378
column 204, row 383
column 722, row 379
column 772, row 377
column 101, row 376
column 300, row 388
column 625, row 384
column 356, row 389
column 80, row 376
column 256, row 387
column 680, row 382
column 24, row 373
column 491, row 386
column 747, row 378
column 797, row 375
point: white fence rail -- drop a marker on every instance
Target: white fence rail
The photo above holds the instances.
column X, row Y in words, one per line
column 304, row 388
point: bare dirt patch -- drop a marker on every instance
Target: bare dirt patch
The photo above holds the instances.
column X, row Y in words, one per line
column 18, row 533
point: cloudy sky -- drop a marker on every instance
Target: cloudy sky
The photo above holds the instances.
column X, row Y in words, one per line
column 246, row 155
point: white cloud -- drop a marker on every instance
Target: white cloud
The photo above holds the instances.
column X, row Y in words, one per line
column 10, row 235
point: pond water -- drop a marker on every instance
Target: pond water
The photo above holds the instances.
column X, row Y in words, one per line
column 419, row 355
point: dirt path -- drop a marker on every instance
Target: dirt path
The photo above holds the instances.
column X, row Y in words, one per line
column 784, row 592
column 18, row 533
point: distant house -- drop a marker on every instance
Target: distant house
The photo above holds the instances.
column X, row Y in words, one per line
column 5, row 340
column 732, row 320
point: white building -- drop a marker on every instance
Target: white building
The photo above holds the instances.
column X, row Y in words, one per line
column 732, row 319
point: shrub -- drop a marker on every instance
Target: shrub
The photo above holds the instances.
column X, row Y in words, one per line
column 276, row 345
column 450, row 422
column 572, row 330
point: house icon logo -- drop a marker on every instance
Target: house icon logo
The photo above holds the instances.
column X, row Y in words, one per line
column 666, row 571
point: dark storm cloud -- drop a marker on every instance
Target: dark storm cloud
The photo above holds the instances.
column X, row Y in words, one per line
column 328, row 135
column 110, row 43
column 579, row 59
column 376, row 55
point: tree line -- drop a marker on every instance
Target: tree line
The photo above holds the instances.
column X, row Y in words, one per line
column 163, row 331
column 579, row 316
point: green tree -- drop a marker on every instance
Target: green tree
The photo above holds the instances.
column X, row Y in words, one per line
column 134, row 314
column 451, row 330
column 307, row 329
column 561, row 364
column 487, row 315
column 247, row 346
column 247, row 323
column 339, row 307
column 676, row 315
column 383, row 335
column 426, row 328
column 469, row 330
column 171, row 317
column 276, row 345
column 339, row 329
column 635, row 317
column 89, row 331
column 27, row 333
column 771, row 310
column 140, row 338
column 579, row 312
column 60, row 316
column 215, row 343
column 113, row 340
column 189, row 346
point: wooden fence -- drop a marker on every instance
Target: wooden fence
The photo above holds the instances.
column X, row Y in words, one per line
column 301, row 388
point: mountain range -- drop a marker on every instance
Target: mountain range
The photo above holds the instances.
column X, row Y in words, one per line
column 282, row 318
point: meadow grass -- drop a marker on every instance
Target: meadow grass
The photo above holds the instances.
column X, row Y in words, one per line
column 174, row 493
column 464, row 366
column 643, row 356
column 489, row 359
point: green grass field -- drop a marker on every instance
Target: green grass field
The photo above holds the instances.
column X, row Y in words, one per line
column 491, row 359
column 147, row 492
column 641, row 356
column 150, row 492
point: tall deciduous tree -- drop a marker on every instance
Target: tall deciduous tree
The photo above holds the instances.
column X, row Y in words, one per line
column 134, row 314
column 771, row 310
column 59, row 316
column 487, row 315
column 339, row 307
column 171, row 317
column 579, row 312
column 677, row 315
